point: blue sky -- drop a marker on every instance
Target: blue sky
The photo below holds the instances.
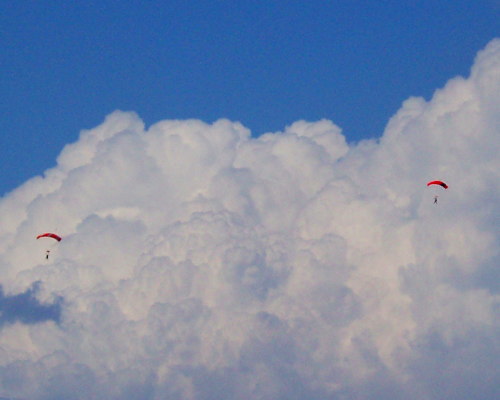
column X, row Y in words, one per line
column 65, row 66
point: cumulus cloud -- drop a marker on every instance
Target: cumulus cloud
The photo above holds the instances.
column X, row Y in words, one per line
column 199, row 262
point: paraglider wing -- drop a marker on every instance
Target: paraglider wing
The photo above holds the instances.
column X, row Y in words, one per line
column 440, row 183
column 50, row 235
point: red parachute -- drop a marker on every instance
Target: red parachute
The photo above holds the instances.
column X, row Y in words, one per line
column 440, row 183
column 50, row 235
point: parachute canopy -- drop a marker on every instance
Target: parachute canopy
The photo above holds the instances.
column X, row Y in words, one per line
column 440, row 183
column 50, row 235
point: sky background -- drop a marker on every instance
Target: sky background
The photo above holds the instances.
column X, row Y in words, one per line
column 64, row 67
column 204, row 259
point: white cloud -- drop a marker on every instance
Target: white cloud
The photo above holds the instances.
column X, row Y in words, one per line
column 201, row 263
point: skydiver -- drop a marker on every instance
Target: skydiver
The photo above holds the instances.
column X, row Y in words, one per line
column 435, row 199
column 47, row 254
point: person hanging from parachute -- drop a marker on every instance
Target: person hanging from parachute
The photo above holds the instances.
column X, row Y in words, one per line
column 439, row 183
column 51, row 236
